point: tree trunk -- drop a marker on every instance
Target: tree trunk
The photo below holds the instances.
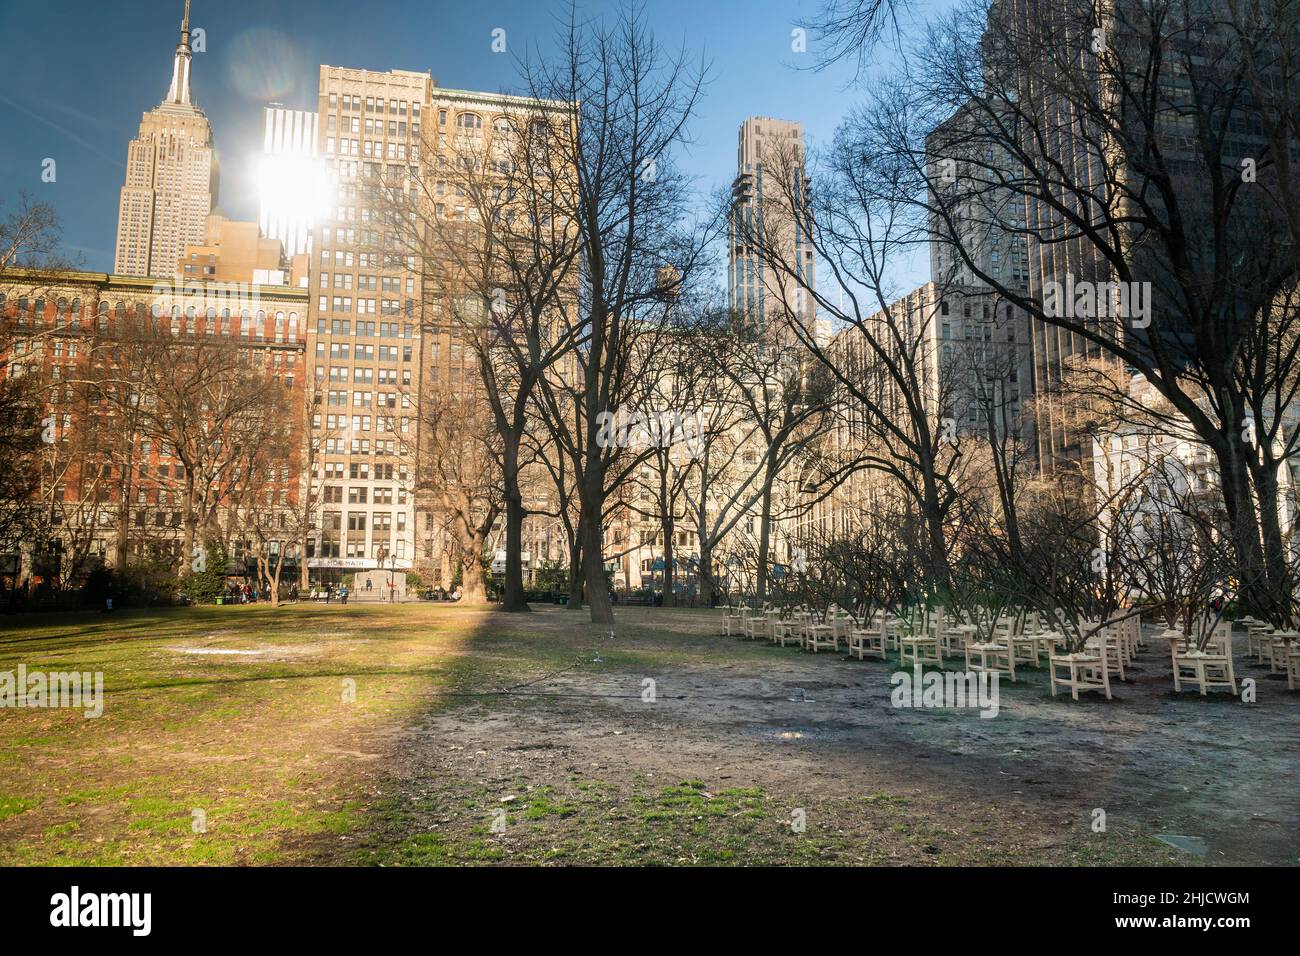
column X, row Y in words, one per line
column 122, row 546
column 1240, row 507
column 303, row 578
column 513, row 597
column 472, row 587
column 191, row 522
column 187, row 540
column 934, row 529
column 669, row 577
column 593, row 561
column 1004, row 473
column 575, row 574
column 269, row 579
column 706, row 574
column 764, row 542
column 1264, row 477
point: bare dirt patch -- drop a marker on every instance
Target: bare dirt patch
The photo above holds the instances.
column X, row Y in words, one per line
column 874, row 783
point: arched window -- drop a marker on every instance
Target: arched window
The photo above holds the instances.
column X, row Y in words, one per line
column 225, row 321
column 469, row 121
column 210, row 326
column 62, row 305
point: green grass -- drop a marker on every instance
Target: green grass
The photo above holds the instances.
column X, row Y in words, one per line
column 244, row 739
column 12, row 806
column 674, row 825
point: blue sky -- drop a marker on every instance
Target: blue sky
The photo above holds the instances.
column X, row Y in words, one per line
column 78, row 74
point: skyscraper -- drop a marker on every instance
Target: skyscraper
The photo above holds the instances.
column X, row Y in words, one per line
column 292, row 178
column 171, row 182
column 364, row 328
column 769, row 181
column 1122, row 188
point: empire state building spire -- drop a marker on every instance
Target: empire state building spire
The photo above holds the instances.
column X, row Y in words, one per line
column 171, row 182
column 180, row 88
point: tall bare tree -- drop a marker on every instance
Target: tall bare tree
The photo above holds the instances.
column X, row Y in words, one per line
column 634, row 104
column 494, row 239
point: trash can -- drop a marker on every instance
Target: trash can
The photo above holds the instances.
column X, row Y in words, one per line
column 221, row 599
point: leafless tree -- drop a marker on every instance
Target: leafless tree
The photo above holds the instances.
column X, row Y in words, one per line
column 206, row 400
column 264, row 514
column 676, row 438
column 30, row 239
column 462, row 474
column 785, row 400
column 496, row 245
column 850, row 31
column 76, row 481
column 883, row 362
column 634, row 104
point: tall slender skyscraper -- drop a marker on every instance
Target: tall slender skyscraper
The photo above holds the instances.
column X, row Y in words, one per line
column 171, row 183
column 770, row 178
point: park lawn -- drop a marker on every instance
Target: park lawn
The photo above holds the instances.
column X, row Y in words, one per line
column 263, row 744
column 281, row 768
column 478, row 737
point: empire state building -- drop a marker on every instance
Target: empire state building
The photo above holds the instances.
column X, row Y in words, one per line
column 171, row 181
